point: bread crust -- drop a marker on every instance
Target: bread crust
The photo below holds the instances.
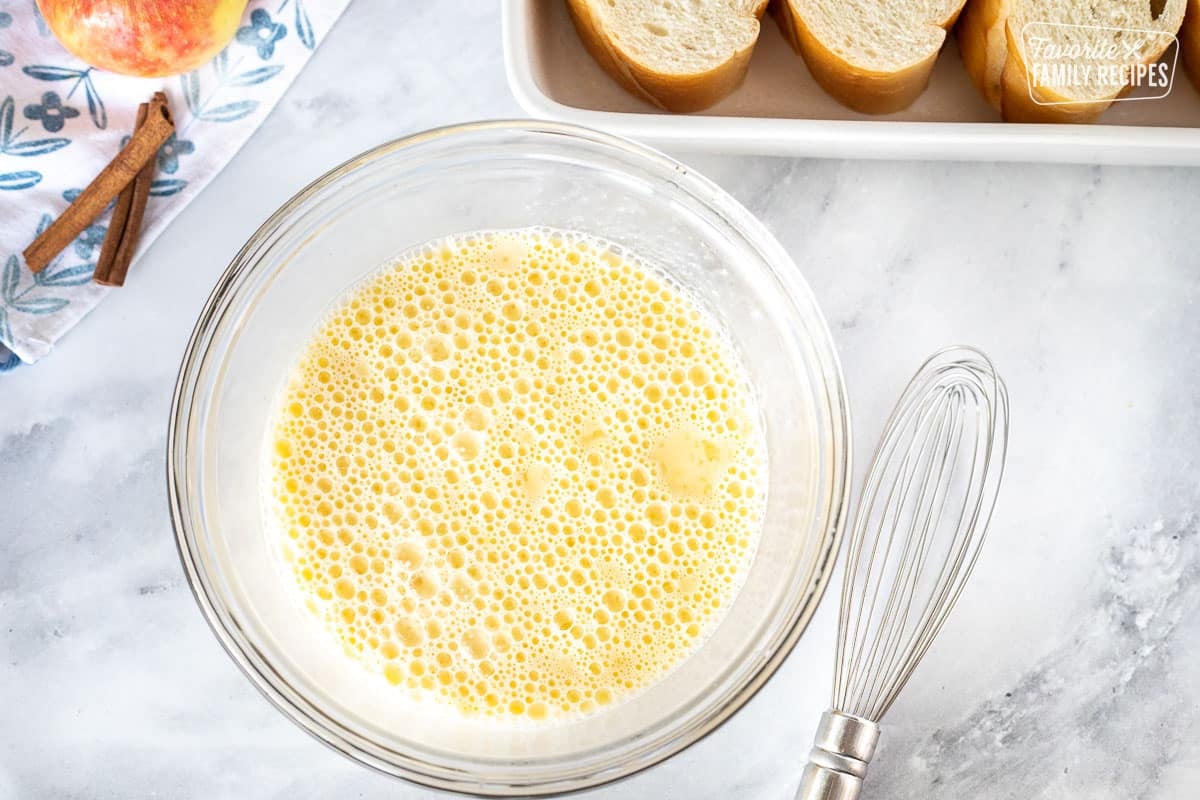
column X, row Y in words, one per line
column 983, row 45
column 1189, row 42
column 683, row 93
column 865, row 90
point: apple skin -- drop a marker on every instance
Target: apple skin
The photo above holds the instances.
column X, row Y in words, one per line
column 146, row 38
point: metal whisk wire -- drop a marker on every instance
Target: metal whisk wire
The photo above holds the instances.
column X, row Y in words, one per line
column 922, row 518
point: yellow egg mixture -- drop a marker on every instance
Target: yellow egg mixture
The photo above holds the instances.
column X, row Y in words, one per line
column 519, row 472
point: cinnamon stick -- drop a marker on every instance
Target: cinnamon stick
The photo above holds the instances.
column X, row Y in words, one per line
column 120, row 172
column 125, row 227
column 120, row 216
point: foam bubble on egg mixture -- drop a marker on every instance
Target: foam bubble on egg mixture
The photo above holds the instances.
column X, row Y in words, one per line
column 518, row 472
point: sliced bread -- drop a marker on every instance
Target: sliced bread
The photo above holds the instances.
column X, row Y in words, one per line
column 874, row 56
column 994, row 41
column 681, row 55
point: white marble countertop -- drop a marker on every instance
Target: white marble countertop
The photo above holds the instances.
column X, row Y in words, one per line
column 1069, row 669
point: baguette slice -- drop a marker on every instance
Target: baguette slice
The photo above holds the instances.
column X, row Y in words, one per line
column 994, row 51
column 874, row 56
column 681, row 55
column 983, row 45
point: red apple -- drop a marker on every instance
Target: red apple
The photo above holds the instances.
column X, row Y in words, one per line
column 148, row 38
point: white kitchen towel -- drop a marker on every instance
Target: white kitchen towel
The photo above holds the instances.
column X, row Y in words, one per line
column 61, row 121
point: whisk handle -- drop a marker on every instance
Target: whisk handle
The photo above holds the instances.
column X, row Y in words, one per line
column 842, row 748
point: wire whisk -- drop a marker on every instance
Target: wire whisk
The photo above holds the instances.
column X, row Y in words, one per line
column 921, row 521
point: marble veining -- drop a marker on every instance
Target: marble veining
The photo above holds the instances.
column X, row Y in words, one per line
column 1068, row 669
column 1101, row 683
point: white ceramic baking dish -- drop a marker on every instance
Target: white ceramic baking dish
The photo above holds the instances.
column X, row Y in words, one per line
column 781, row 111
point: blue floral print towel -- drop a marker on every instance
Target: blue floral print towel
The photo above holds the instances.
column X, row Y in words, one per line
column 62, row 121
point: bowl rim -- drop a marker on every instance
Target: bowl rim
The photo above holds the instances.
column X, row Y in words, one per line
column 258, row 668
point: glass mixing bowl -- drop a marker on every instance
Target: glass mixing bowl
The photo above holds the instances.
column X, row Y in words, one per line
column 497, row 175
